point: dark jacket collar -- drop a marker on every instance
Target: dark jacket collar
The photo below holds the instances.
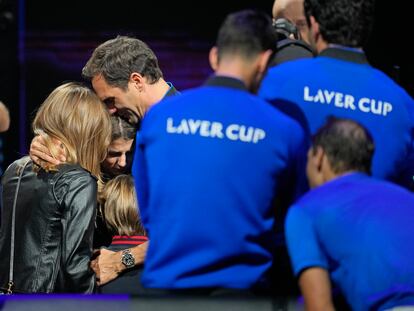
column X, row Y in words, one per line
column 171, row 91
column 346, row 54
column 226, row 82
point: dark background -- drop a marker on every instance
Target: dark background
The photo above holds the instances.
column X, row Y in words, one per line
column 44, row 43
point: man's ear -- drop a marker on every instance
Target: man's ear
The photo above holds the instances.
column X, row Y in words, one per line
column 137, row 80
column 314, row 166
column 318, row 157
column 213, row 58
column 314, row 29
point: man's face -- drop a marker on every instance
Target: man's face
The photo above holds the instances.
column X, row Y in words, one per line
column 293, row 11
column 118, row 159
column 125, row 103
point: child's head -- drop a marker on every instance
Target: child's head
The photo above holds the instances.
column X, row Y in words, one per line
column 121, row 206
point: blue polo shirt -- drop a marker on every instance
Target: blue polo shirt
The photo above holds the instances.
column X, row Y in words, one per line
column 361, row 230
column 340, row 82
column 208, row 166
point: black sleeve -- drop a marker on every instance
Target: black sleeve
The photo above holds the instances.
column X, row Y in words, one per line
column 79, row 205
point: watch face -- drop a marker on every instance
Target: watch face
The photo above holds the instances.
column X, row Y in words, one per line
column 128, row 260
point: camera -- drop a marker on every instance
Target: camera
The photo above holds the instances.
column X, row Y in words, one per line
column 285, row 29
column 290, row 45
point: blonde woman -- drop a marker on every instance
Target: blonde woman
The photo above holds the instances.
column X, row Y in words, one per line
column 55, row 207
column 122, row 218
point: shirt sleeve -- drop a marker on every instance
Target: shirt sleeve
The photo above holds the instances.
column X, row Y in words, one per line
column 302, row 241
column 78, row 227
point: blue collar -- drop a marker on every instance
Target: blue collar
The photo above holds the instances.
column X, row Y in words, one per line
column 171, row 91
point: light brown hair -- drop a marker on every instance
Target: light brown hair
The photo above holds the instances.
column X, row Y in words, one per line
column 73, row 114
column 121, row 206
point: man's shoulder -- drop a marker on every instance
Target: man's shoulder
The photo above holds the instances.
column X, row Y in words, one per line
column 286, row 74
column 178, row 97
column 389, row 85
column 330, row 191
column 296, row 66
column 188, row 99
column 350, row 186
column 172, row 105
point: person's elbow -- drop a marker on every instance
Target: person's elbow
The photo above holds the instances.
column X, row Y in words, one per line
column 4, row 118
column 4, row 125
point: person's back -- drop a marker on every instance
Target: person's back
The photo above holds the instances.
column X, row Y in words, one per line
column 349, row 90
column 351, row 229
column 215, row 165
column 44, row 204
column 209, row 165
column 56, row 205
column 365, row 234
column 340, row 82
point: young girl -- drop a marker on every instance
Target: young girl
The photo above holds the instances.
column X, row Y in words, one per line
column 122, row 218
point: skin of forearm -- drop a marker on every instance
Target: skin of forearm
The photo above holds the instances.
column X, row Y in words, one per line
column 316, row 289
column 139, row 252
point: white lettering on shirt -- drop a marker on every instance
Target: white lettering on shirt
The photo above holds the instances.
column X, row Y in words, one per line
column 213, row 129
column 347, row 101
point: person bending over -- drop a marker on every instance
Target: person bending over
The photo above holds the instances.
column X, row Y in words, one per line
column 351, row 231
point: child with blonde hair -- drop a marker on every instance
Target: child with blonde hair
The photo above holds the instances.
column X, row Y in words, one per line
column 121, row 214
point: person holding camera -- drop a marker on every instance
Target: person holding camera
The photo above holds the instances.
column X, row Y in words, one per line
column 293, row 32
column 341, row 82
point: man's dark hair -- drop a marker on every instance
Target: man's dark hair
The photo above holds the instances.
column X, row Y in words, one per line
column 344, row 22
column 247, row 33
column 121, row 129
column 347, row 144
column 117, row 58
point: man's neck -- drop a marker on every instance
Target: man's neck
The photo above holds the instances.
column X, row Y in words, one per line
column 321, row 45
column 237, row 69
column 157, row 91
column 332, row 175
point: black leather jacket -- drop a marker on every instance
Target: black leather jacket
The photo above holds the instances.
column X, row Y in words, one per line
column 55, row 215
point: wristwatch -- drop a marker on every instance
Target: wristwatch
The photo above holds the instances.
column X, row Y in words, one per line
column 127, row 259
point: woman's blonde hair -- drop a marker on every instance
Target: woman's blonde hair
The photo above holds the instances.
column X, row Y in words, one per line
column 74, row 114
column 120, row 205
